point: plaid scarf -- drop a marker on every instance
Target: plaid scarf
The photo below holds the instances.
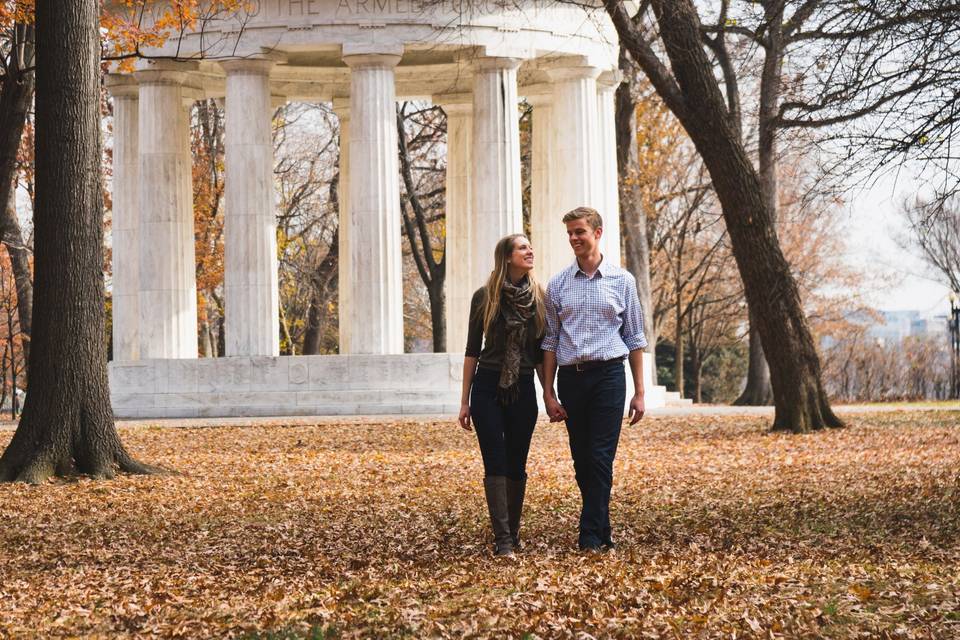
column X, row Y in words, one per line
column 516, row 307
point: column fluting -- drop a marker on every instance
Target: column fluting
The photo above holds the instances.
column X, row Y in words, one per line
column 341, row 108
column 496, row 190
column 168, row 289
column 459, row 248
column 575, row 149
column 606, row 117
column 250, row 229
column 375, row 280
column 125, row 229
column 549, row 235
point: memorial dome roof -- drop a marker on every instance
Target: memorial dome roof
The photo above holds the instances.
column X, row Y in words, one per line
column 438, row 41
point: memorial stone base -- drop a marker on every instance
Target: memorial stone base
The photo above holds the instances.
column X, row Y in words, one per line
column 411, row 384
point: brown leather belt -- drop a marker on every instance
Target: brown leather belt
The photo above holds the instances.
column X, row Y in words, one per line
column 586, row 366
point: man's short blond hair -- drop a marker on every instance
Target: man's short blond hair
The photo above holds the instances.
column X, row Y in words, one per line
column 585, row 213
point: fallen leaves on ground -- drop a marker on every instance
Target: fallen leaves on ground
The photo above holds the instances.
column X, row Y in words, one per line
column 380, row 529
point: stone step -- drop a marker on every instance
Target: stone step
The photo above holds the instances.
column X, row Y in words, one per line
column 673, row 399
column 279, row 403
column 424, row 384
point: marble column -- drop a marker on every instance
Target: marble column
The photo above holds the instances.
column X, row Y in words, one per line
column 575, row 151
column 495, row 174
column 250, row 226
column 458, row 282
column 375, row 279
column 125, row 230
column 609, row 180
column 341, row 106
column 549, row 235
column 168, row 288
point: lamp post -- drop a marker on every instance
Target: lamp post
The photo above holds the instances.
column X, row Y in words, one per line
column 953, row 323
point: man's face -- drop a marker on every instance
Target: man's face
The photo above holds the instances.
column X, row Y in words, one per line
column 583, row 238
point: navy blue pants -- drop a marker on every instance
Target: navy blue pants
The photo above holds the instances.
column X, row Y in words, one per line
column 594, row 401
column 504, row 432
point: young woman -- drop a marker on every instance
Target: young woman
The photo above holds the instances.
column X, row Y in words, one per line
column 503, row 350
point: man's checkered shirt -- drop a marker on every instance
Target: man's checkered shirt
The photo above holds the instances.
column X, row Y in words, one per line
column 596, row 318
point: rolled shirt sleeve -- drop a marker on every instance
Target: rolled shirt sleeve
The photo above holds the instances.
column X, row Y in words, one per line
column 552, row 337
column 632, row 329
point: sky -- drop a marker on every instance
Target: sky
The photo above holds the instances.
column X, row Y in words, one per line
column 874, row 223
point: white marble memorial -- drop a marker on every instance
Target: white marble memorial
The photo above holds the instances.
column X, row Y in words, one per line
column 477, row 60
column 167, row 269
column 459, row 246
column 250, row 228
column 126, row 218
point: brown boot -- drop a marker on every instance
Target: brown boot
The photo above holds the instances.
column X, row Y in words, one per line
column 515, row 492
column 495, row 488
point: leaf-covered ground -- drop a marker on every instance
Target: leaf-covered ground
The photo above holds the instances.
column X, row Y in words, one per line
column 379, row 529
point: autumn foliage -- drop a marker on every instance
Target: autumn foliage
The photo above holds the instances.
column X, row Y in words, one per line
column 354, row 528
column 12, row 363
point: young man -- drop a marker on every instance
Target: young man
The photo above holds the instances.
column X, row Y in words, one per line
column 594, row 321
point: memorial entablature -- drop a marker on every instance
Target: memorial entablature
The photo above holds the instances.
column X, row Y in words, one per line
column 474, row 58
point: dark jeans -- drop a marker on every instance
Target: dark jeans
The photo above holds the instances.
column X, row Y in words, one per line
column 504, row 432
column 594, row 401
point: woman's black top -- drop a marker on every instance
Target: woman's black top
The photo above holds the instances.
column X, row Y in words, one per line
column 491, row 355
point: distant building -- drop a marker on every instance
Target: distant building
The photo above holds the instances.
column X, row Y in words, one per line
column 897, row 325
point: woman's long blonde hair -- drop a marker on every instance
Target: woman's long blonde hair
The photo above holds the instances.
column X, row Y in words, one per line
column 501, row 254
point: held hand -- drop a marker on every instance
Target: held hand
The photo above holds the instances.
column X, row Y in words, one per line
column 555, row 410
column 636, row 408
column 464, row 418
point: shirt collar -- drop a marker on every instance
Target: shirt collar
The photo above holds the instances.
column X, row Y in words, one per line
column 603, row 269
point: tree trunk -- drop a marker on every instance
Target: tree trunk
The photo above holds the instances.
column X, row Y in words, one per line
column 634, row 218
column 285, row 333
column 206, row 344
column 437, row 320
column 696, row 372
column 212, row 339
column 3, row 381
column 758, row 391
column 311, row 337
column 20, row 265
column 771, row 291
column 432, row 273
column 325, row 276
column 679, row 355
column 67, row 424
column 16, row 91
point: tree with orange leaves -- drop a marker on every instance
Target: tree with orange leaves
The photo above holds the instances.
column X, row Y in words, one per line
column 208, row 185
column 67, row 425
column 13, row 364
column 16, row 95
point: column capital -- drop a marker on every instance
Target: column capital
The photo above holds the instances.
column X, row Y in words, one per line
column 371, row 56
column 486, row 63
column 160, row 76
column 163, row 71
column 539, row 99
column 122, row 85
column 247, row 66
column 609, row 80
column 573, row 71
column 455, row 103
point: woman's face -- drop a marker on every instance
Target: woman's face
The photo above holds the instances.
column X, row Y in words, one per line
column 522, row 257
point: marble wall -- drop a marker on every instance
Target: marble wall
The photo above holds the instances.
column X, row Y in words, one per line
column 412, row 383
